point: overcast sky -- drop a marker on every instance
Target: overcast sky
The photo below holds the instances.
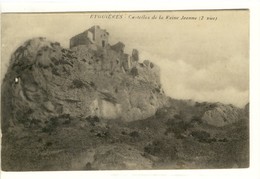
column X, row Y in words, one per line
column 203, row 60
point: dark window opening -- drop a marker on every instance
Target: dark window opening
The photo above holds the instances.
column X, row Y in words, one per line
column 103, row 43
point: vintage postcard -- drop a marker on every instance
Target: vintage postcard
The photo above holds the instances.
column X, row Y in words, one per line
column 142, row 90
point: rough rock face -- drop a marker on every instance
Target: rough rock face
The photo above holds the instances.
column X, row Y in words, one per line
column 45, row 80
column 221, row 115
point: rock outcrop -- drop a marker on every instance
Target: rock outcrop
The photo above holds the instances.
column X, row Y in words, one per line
column 215, row 114
column 45, row 80
column 222, row 115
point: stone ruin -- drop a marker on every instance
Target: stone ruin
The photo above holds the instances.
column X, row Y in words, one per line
column 98, row 39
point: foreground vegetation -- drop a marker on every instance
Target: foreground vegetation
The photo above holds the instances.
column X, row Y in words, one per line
column 169, row 143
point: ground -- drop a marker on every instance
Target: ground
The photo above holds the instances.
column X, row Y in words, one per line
column 154, row 143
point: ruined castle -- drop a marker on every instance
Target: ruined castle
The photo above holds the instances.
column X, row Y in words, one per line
column 112, row 57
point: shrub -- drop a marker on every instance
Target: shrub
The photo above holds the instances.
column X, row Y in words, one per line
column 92, row 84
column 34, row 122
column 93, row 120
column 46, row 129
column 55, row 71
column 52, row 124
column 65, row 116
column 158, row 90
column 88, row 166
column 67, row 121
column 55, row 44
column 196, row 119
column 165, row 149
column 77, row 83
column 48, row 144
column 214, row 140
column 102, row 134
column 134, row 134
column 116, row 90
column 202, row 136
column 177, row 116
column 223, row 140
column 178, row 128
column 155, row 147
column 123, row 132
column 65, row 62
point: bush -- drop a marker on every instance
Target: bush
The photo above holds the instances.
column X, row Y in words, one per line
column 55, row 71
column 92, row 84
column 102, row 134
column 153, row 149
column 88, row 166
column 158, row 90
column 134, row 134
column 67, row 121
column 214, row 140
column 93, row 120
column 52, row 124
column 202, row 136
column 178, row 128
column 77, row 83
column 123, row 133
column 48, row 144
column 196, row 119
column 55, row 44
column 162, row 148
column 177, row 116
column 223, row 140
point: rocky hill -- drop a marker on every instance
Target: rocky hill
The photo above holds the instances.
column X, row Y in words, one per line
column 95, row 107
column 45, row 80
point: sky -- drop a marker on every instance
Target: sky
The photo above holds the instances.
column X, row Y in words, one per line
column 199, row 59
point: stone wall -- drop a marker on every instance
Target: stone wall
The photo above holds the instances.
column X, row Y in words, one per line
column 80, row 39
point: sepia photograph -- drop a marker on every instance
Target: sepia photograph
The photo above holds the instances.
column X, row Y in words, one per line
column 125, row 90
